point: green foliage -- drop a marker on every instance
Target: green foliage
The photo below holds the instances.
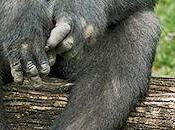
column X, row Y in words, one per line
column 165, row 58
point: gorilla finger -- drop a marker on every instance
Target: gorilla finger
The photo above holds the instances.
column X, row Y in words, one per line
column 16, row 71
column 51, row 57
column 30, row 69
column 42, row 60
column 65, row 46
column 32, row 72
column 61, row 30
column 27, row 60
column 15, row 65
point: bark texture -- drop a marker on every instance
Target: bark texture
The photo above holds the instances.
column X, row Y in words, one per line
column 30, row 108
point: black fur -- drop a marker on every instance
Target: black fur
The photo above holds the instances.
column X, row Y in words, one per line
column 114, row 74
column 111, row 76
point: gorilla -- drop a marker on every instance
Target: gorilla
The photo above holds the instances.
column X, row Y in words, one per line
column 106, row 47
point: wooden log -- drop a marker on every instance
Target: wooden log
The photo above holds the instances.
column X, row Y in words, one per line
column 30, row 108
column 157, row 110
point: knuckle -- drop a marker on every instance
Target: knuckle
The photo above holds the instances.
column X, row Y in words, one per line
column 31, row 69
column 45, row 69
column 68, row 43
column 65, row 46
column 17, row 72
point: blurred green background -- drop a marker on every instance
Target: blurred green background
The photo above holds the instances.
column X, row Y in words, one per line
column 164, row 64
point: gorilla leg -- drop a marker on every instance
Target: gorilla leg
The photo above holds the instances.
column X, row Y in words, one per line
column 113, row 76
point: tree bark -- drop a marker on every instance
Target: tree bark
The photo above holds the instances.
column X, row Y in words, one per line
column 30, row 108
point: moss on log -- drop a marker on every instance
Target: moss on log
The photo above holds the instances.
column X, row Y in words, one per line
column 36, row 108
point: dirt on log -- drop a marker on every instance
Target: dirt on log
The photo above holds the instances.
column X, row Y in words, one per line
column 30, row 108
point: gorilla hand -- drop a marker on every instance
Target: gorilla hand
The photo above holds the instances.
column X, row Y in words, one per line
column 25, row 27
column 28, row 57
column 68, row 37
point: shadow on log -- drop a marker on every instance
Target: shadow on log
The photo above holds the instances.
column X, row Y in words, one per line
column 35, row 109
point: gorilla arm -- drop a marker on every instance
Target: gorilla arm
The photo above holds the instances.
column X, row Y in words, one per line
column 82, row 21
